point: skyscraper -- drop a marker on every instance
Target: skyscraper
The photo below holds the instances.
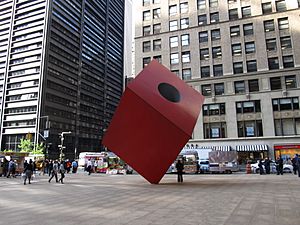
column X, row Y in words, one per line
column 61, row 69
column 243, row 56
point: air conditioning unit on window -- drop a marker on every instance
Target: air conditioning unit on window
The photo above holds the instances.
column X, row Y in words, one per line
column 248, row 95
column 284, row 93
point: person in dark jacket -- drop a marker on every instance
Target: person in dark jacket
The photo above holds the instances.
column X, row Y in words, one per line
column 267, row 165
column 294, row 163
column 298, row 164
column 28, row 171
column 279, row 166
column 261, row 168
column 179, row 168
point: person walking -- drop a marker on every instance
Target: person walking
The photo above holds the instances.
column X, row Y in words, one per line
column 261, row 168
column 298, row 164
column 179, row 168
column 74, row 166
column 62, row 171
column 89, row 166
column 294, row 163
column 11, row 169
column 267, row 165
column 279, row 166
column 50, row 168
column 54, row 171
column 28, row 171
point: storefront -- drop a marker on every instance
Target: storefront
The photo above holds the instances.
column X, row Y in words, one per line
column 251, row 152
column 286, row 151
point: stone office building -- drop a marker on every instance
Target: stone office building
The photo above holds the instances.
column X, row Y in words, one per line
column 243, row 56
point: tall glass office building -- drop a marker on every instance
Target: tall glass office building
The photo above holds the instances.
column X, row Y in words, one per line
column 61, row 69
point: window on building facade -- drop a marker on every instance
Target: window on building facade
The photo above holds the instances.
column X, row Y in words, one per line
column 186, row 74
column 248, row 29
column 218, row 70
column 280, row 6
column 184, row 23
column 146, row 30
column 213, row 3
column 283, row 104
column 213, row 109
column 288, row 61
column 146, row 15
column 205, row 71
column 273, row 63
column 238, row 67
column 156, row 28
column 283, row 23
column 156, row 13
column 251, row 66
column 266, row 7
column 173, row 25
column 146, row 46
column 233, row 14
column 246, row 11
column 285, row 42
column 214, row 17
column 250, row 47
column 186, row 57
column 239, row 87
column 250, row 128
column 157, row 45
column 184, row 7
column 206, row 90
column 235, row 31
column 174, row 42
column 275, row 83
column 203, row 36
column 287, row 126
column 172, row 10
column 236, row 49
column 146, row 2
column 248, row 107
column 269, row 25
column 214, row 130
column 185, row 40
column 215, row 35
column 146, row 61
column 204, row 54
column 201, row 4
column 253, row 85
column 174, row 58
column 158, row 58
column 290, row 82
column 202, row 19
column 219, row 89
column 176, row 72
column 217, row 52
column 271, row 44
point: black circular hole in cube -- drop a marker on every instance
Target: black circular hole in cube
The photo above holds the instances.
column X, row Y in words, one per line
column 169, row 92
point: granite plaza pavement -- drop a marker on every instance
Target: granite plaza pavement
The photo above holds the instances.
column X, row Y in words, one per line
column 129, row 199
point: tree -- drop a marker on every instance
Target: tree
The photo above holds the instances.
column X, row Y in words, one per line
column 39, row 149
column 26, row 145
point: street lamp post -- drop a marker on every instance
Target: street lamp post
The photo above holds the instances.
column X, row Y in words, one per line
column 45, row 135
column 61, row 146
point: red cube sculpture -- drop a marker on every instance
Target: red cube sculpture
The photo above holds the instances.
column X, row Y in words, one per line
column 153, row 122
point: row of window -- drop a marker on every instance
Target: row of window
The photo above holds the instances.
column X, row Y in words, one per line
column 269, row 26
column 244, row 86
column 281, row 104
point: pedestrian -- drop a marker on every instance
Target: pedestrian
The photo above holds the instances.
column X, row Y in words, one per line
column 54, row 171
column 50, row 168
column 95, row 166
column 294, row 163
column 89, row 166
column 261, row 168
column 11, row 169
column 62, row 171
column 179, row 168
column 298, row 164
column 279, row 166
column 267, row 165
column 28, row 171
column 74, row 166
